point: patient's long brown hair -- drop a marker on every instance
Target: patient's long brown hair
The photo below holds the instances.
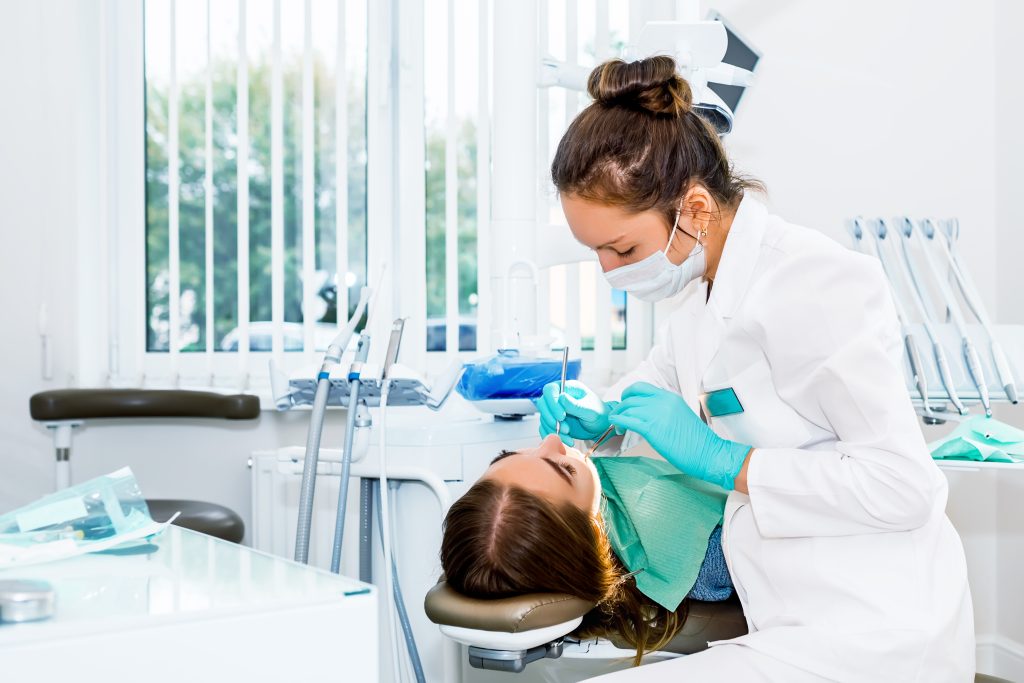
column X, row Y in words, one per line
column 501, row 540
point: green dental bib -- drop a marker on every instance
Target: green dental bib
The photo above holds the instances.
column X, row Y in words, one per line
column 658, row 520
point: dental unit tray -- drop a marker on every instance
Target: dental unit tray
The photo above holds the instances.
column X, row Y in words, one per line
column 954, row 357
column 407, row 388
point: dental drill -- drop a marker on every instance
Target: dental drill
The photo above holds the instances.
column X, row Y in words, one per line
column 970, row 295
column 859, row 233
column 970, row 354
column 919, row 297
column 316, row 424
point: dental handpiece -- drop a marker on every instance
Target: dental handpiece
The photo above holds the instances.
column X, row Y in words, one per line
column 561, row 388
column 857, row 228
column 917, row 297
column 970, row 296
column 971, row 358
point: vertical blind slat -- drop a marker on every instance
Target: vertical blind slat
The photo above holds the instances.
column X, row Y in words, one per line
column 208, row 196
column 242, row 181
column 603, row 292
column 308, row 194
column 483, row 183
column 277, row 192
column 341, row 167
column 572, row 294
column 173, row 178
column 451, row 203
column 543, row 159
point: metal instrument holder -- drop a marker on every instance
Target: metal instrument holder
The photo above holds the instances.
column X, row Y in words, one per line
column 953, row 355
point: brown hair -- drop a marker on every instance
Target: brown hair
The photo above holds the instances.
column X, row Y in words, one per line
column 502, row 540
column 640, row 145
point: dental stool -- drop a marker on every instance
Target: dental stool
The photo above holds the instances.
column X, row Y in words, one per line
column 508, row 633
column 64, row 409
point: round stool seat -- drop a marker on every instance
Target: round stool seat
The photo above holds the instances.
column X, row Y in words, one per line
column 206, row 518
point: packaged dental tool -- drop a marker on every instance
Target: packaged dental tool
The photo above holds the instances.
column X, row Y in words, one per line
column 95, row 515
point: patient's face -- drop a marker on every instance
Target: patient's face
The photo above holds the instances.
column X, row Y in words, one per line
column 552, row 470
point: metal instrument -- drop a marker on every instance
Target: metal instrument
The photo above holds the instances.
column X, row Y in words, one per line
column 971, row 358
column 561, row 388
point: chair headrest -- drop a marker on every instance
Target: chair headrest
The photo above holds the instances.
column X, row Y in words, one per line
column 519, row 613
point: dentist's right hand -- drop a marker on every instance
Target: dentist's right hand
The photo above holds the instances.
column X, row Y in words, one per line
column 580, row 412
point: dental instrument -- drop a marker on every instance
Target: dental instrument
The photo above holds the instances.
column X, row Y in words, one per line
column 946, row 246
column 316, row 424
column 561, row 387
column 970, row 354
column 919, row 298
column 857, row 229
column 600, row 440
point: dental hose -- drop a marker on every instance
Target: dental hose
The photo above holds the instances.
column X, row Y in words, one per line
column 385, row 520
column 316, row 426
column 403, row 614
column 362, row 351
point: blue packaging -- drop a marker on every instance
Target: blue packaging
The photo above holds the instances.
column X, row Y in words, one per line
column 510, row 375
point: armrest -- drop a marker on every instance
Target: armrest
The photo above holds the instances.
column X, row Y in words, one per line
column 80, row 404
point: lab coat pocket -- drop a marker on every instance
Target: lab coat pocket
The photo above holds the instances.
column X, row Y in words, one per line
column 766, row 421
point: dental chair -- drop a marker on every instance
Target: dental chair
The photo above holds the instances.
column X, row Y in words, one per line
column 64, row 409
column 508, row 633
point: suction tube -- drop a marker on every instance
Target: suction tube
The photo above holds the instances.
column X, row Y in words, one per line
column 316, row 426
column 403, row 614
column 346, row 456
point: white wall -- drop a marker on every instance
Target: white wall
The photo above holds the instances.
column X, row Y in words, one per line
column 1009, row 219
column 38, row 151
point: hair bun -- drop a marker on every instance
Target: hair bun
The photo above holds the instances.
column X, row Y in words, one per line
column 650, row 84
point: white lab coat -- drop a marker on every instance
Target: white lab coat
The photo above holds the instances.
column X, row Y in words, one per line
column 842, row 555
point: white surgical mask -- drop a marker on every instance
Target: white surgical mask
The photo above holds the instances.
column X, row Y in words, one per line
column 655, row 277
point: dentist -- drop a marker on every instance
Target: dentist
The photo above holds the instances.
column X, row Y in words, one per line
column 777, row 377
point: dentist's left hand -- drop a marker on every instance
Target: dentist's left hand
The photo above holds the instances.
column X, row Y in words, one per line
column 671, row 427
column 580, row 412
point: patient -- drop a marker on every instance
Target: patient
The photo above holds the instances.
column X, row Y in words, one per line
column 538, row 521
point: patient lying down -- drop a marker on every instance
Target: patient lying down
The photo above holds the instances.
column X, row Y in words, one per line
column 548, row 519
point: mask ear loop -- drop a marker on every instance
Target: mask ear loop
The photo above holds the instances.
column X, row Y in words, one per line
column 672, row 235
column 701, row 236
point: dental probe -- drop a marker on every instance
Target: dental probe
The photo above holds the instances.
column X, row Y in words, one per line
column 918, row 298
column 977, row 309
column 913, row 352
column 970, row 353
column 600, row 440
column 561, row 388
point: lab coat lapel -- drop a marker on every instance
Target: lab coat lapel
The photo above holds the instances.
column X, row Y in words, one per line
column 739, row 257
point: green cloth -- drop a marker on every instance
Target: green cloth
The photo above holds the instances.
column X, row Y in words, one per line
column 980, row 438
column 658, row 520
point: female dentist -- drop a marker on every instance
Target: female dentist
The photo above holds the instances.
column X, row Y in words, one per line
column 779, row 378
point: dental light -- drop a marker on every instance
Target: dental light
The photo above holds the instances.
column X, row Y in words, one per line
column 699, row 48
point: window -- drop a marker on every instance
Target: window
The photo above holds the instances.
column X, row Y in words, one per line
column 279, row 179
column 256, row 157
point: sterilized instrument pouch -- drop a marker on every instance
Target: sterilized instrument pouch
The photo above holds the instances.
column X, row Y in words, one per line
column 95, row 515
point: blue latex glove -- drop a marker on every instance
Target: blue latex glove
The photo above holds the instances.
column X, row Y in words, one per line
column 581, row 413
column 667, row 423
